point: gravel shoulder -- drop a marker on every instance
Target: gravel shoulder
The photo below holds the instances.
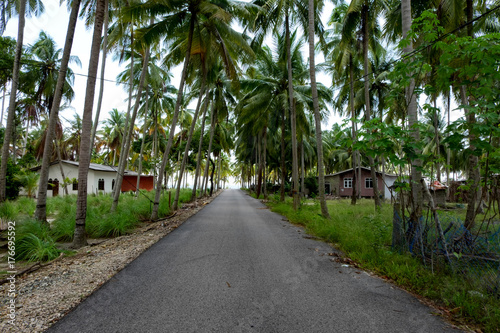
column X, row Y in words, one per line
column 46, row 295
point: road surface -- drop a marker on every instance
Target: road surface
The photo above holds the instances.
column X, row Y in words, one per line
column 237, row 267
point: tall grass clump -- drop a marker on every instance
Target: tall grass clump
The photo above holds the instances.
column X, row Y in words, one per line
column 184, row 196
column 164, row 208
column 25, row 206
column 34, row 242
column 8, row 212
column 102, row 223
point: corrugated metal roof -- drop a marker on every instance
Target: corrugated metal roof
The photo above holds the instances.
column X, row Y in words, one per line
column 95, row 167
column 367, row 169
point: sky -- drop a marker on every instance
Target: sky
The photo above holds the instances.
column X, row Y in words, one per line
column 55, row 21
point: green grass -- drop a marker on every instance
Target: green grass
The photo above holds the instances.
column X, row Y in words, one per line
column 34, row 242
column 365, row 236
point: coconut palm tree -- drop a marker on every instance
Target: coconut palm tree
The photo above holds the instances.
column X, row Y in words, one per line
column 79, row 238
column 416, row 174
column 41, row 213
column 128, row 138
column 275, row 16
column 343, row 63
column 317, row 115
column 12, row 103
column 361, row 16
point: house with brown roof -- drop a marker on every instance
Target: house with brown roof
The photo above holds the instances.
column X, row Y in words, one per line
column 341, row 183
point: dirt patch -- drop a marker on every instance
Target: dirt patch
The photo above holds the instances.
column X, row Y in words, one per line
column 46, row 295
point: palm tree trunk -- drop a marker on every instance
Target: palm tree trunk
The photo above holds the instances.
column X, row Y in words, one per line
column 317, row 116
column 448, row 150
column 416, row 174
column 473, row 165
column 3, row 104
column 12, row 103
column 198, row 157
column 283, row 172
column 436, row 139
column 353, row 124
column 103, row 68
column 124, row 156
column 156, row 204
column 295, row 162
column 209, row 151
column 302, row 169
column 367, row 102
column 25, row 139
column 40, row 212
column 155, row 146
column 188, row 144
column 141, row 153
column 259, row 172
column 128, row 137
column 219, row 167
column 79, row 238
column 212, row 177
column 264, row 153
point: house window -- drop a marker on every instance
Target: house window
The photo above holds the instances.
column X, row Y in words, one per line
column 113, row 184
column 347, row 182
column 368, row 183
column 75, row 185
column 100, row 185
column 50, row 184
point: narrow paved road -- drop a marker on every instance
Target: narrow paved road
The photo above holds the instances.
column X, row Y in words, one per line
column 237, row 267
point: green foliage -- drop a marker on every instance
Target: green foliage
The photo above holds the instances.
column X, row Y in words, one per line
column 30, row 247
column 28, row 180
column 13, row 185
column 34, row 242
column 8, row 47
column 25, row 206
column 311, row 183
column 7, row 211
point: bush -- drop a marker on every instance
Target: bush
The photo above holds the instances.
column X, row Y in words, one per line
column 34, row 242
column 311, row 183
column 30, row 247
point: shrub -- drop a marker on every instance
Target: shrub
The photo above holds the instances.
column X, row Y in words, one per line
column 34, row 242
column 30, row 247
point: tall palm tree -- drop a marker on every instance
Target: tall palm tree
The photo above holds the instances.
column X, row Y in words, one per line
column 113, row 134
column 103, row 68
column 363, row 15
column 12, row 103
column 79, row 238
column 44, row 67
column 277, row 15
column 343, row 63
column 317, row 116
column 411, row 102
column 41, row 212
column 128, row 138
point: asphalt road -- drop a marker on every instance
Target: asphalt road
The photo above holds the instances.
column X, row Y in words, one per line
column 237, row 267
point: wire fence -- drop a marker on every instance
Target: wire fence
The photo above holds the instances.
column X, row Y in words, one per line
column 474, row 256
